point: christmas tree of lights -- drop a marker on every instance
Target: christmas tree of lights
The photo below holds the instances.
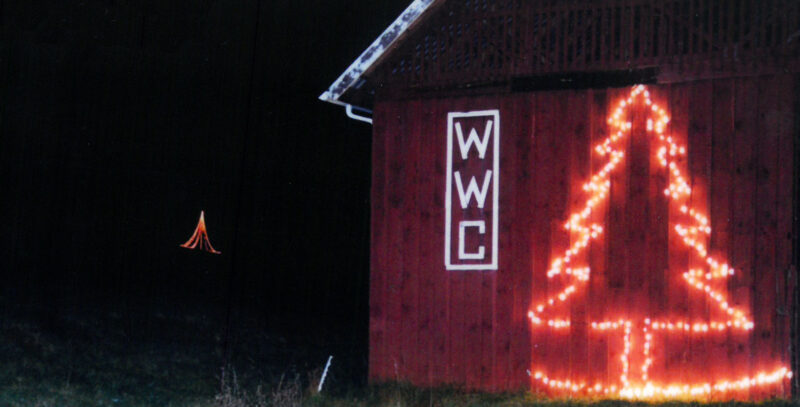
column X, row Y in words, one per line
column 692, row 228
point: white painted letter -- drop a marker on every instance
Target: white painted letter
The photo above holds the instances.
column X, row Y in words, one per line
column 472, row 189
column 462, row 226
column 473, row 139
column 481, row 254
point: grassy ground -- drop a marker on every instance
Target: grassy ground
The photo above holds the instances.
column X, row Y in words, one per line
column 94, row 360
column 107, row 357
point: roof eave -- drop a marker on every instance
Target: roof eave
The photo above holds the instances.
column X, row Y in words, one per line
column 353, row 75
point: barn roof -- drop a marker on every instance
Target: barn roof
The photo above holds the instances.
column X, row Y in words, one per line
column 351, row 79
column 456, row 47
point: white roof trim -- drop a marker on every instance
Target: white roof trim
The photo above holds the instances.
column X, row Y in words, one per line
column 351, row 76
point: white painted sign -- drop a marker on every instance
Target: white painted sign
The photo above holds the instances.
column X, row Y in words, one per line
column 473, row 166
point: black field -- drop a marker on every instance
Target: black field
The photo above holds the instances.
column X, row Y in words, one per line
column 119, row 122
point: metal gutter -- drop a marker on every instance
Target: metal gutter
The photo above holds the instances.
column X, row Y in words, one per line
column 350, row 114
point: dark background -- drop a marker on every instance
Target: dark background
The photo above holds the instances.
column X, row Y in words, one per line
column 121, row 120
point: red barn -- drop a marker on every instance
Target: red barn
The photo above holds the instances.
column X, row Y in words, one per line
column 584, row 198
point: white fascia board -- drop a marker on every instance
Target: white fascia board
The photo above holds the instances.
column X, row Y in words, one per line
column 351, row 76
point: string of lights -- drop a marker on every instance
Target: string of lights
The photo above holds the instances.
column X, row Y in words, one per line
column 693, row 231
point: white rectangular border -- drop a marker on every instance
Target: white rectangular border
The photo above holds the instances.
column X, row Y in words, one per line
column 495, row 195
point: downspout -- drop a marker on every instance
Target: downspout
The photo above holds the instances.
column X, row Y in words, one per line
column 349, row 110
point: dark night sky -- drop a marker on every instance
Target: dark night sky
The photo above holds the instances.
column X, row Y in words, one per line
column 121, row 120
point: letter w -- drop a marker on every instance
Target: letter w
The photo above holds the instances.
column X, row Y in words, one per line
column 473, row 139
column 472, row 189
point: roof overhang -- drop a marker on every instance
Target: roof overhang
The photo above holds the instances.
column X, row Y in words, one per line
column 353, row 78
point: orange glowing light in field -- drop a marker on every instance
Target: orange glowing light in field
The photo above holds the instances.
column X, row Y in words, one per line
column 199, row 239
column 691, row 230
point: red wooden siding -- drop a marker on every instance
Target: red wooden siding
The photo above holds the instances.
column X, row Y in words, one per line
column 431, row 326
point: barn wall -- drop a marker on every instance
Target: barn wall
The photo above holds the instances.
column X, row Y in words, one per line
column 430, row 326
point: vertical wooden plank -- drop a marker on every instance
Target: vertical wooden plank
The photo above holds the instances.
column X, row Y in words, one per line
column 648, row 16
column 511, row 117
column 524, row 221
column 669, row 23
column 472, row 329
column 377, row 297
column 742, row 212
column 657, row 245
column 764, row 272
column 409, row 290
column 458, row 303
column 761, row 11
column 547, row 48
column 489, row 279
column 704, row 10
column 528, row 48
column 428, row 241
column 472, row 308
column 778, row 36
column 596, row 16
column 619, row 31
column 395, row 194
column 560, row 146
column 663, row 34
column 686, row 25
column 713, row 10
column 580, row 48
column 719, row 203
column 785, row 199
column 577, row 129
column 604, row 33
column 544, row 136
column 793, row 272
column 615, row 233
column 620, row 28
column 573, row 38
column 533, row 38
column 500, row 296
column 730, row 29
column 677, row 344
column 613, row 32
column 732, row 35
column 637, row 160
column 698, row 176
column 400, row 168
column 523, row 245
column 743, row 23
column 562, row 38
column 598, row 282
column 691, row 37
column 487, row 327
column 629, row 19
column 456, row 328
column 437, row 133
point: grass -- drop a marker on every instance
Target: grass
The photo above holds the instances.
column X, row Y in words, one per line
column 94, row 361
column 104, row 357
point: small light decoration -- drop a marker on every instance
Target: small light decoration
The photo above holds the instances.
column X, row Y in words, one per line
column 635, row 381
column 199, row 239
